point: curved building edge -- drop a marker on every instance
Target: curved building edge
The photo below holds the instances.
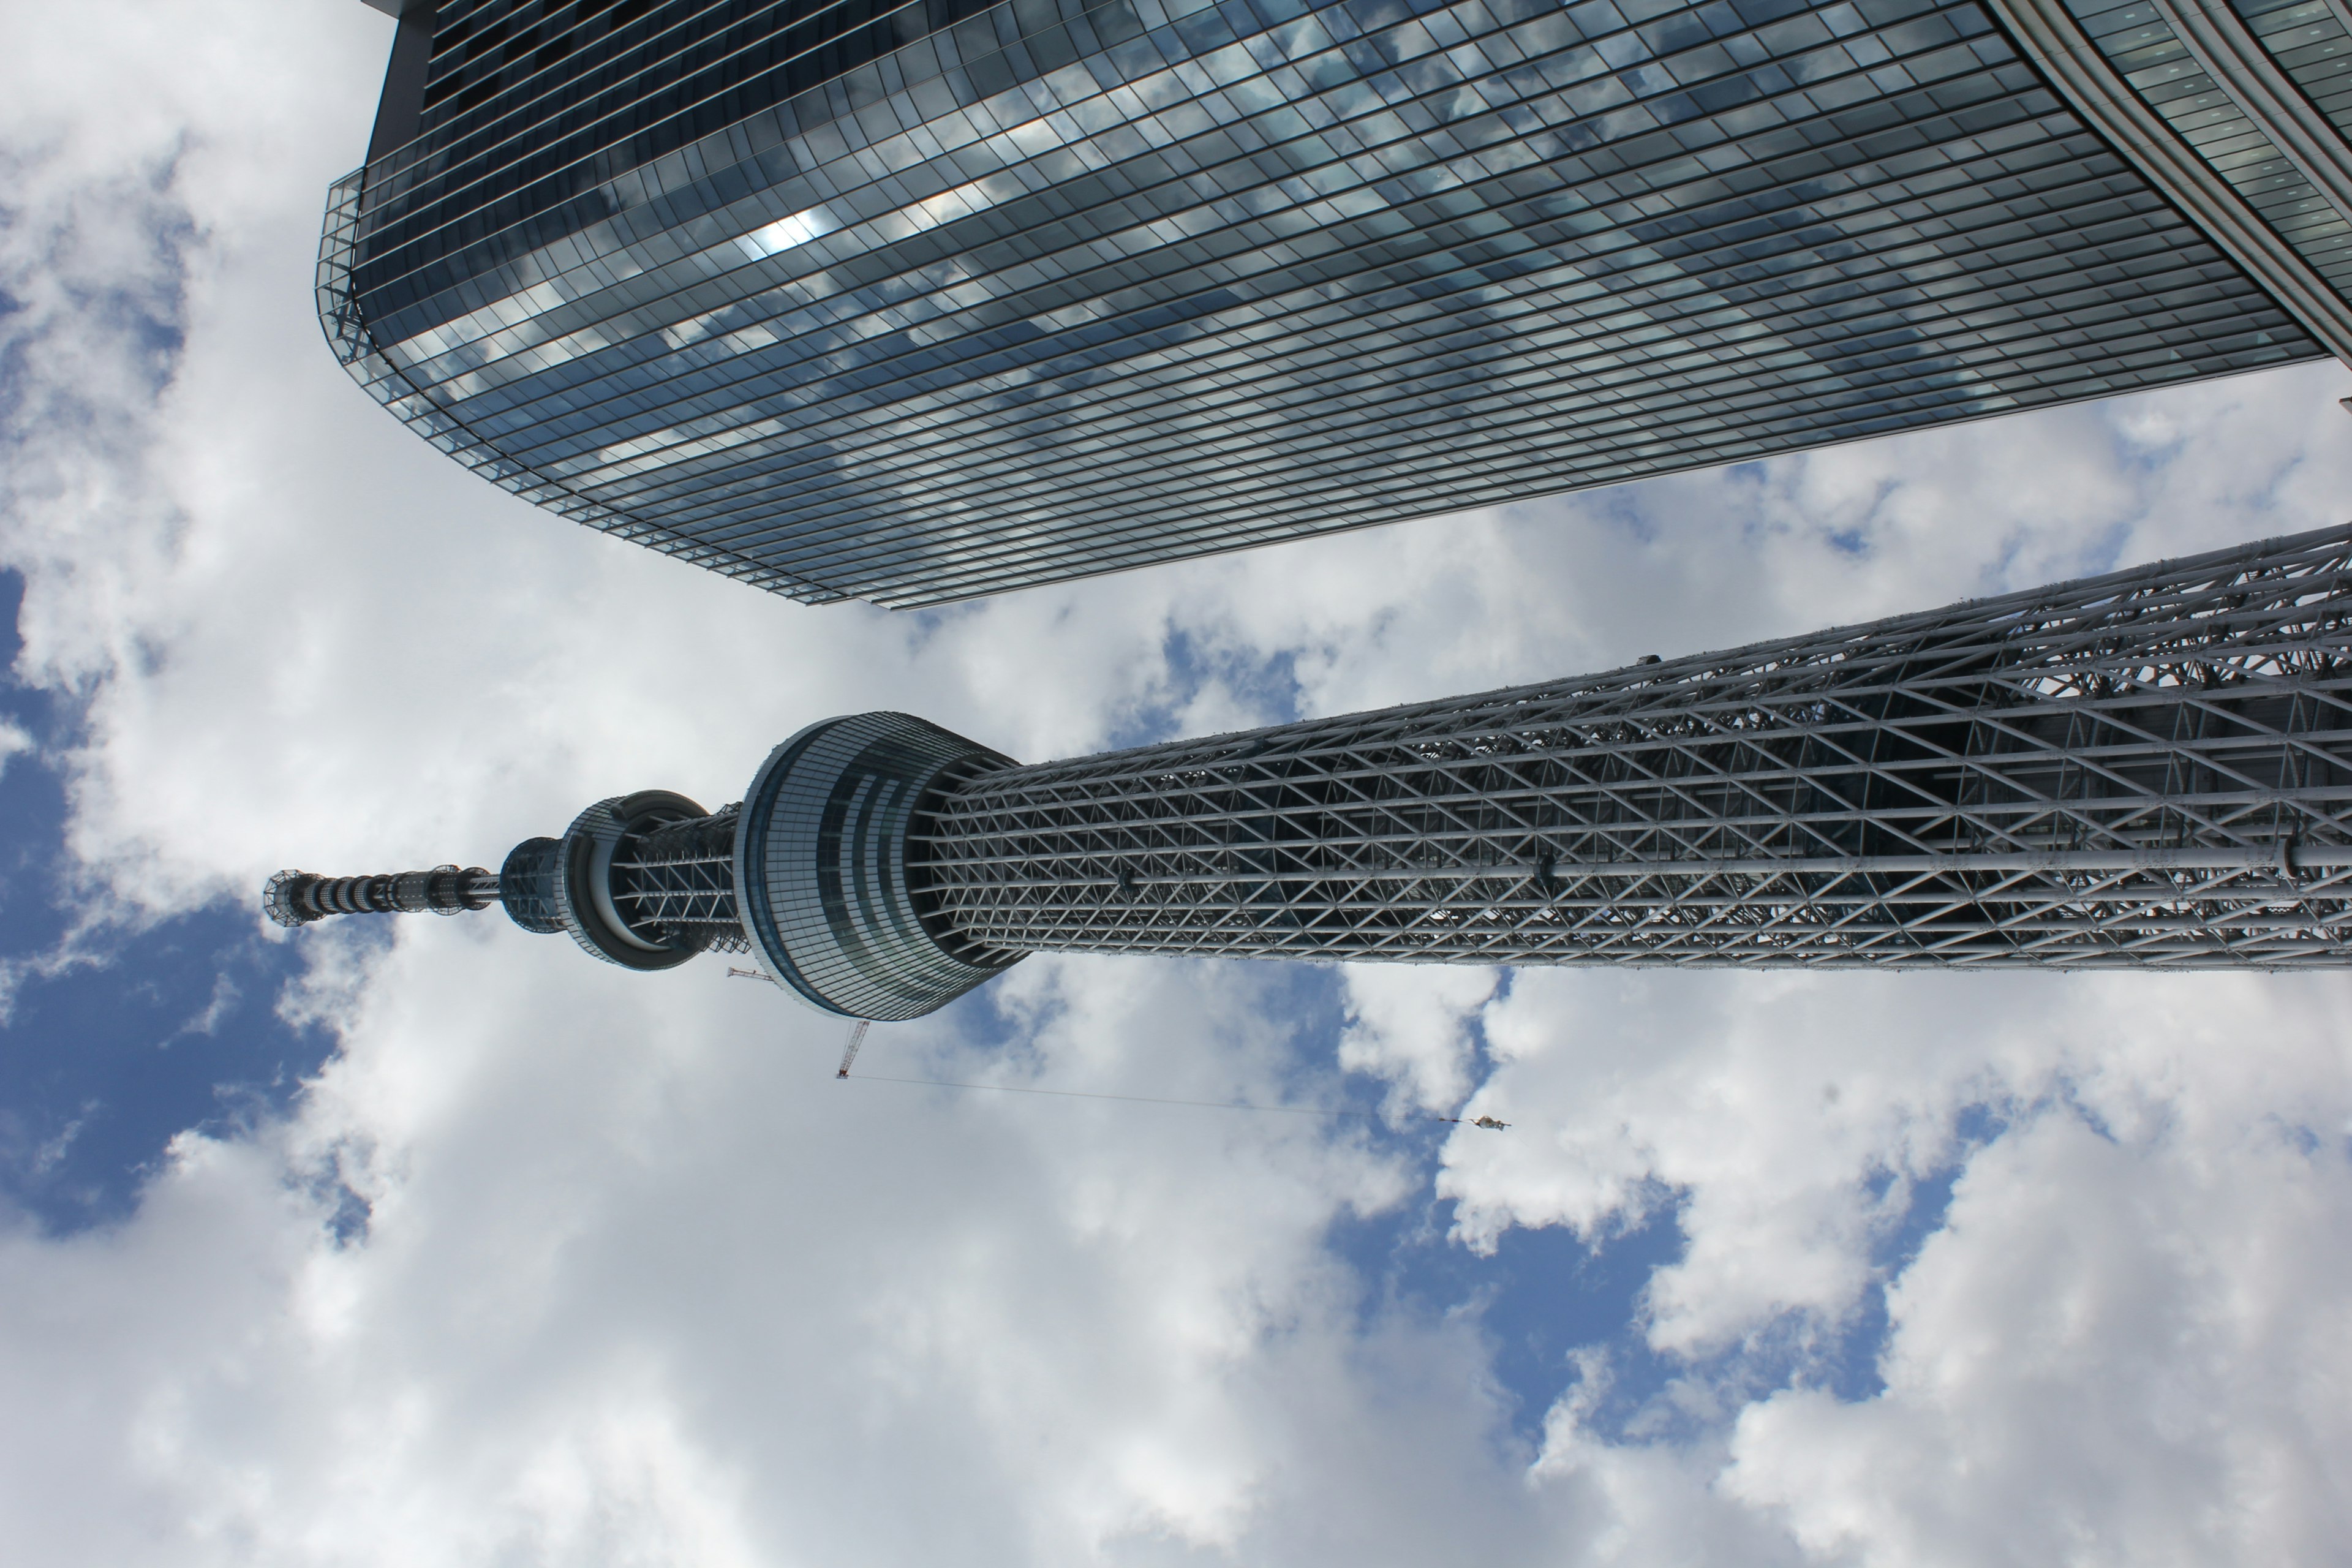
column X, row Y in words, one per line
column 382, row 378
column 918, row 552
column 2048, row 34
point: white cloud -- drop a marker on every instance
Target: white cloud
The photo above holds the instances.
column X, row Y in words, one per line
column 640, row 1282
column 2127, row 1342
column 1409, row 1023
column 2110, row 1345
column 792, row 229
column 15, row 740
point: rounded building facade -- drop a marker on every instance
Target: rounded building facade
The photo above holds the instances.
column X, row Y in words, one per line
column 913, row 303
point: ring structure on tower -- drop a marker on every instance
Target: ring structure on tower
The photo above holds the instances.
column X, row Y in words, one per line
column 823, row 866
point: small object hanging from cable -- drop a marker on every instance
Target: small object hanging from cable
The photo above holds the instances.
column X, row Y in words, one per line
column 1488, row 1122
column 735, row 973
column 857, row 1038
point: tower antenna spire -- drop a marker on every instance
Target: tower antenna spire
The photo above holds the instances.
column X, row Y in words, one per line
column 298, row 897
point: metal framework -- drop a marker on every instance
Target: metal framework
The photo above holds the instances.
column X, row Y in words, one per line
column 676, row 884
column 2151, row 769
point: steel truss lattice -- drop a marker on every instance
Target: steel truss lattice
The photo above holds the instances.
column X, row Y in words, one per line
column 2150, row 769
column 676, row 883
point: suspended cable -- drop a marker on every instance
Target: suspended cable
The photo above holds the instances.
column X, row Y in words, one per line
column 857, row 1039
column 1486, row 1121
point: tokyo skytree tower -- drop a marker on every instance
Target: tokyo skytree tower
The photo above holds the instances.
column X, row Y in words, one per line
column 2150, row 770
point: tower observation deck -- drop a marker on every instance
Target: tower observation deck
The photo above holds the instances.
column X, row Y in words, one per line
column 2150, row 769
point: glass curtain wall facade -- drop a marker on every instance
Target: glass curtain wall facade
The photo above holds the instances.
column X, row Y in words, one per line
column 2150, row 770
column 913, row 303
column 2236, row 110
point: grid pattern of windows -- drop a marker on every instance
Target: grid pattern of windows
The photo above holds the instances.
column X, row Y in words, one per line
column 529, row 105
column 1056, row 289
column 2307, row 39
column 2152, row 61
column 2152, row 768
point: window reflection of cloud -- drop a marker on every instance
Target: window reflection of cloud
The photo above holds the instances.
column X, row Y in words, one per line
column 904, row 315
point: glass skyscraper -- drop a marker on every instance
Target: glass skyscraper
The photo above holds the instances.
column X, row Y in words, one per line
column 913, row 302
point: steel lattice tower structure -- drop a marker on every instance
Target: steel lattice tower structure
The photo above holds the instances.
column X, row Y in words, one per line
column 2148, row 770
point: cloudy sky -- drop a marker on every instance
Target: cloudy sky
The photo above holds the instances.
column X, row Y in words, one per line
column 445, row 1245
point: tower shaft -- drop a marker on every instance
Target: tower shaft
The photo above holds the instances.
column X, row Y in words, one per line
column 2151, row 769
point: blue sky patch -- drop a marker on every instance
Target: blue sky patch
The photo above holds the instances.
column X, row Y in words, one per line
column 116, row 1039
